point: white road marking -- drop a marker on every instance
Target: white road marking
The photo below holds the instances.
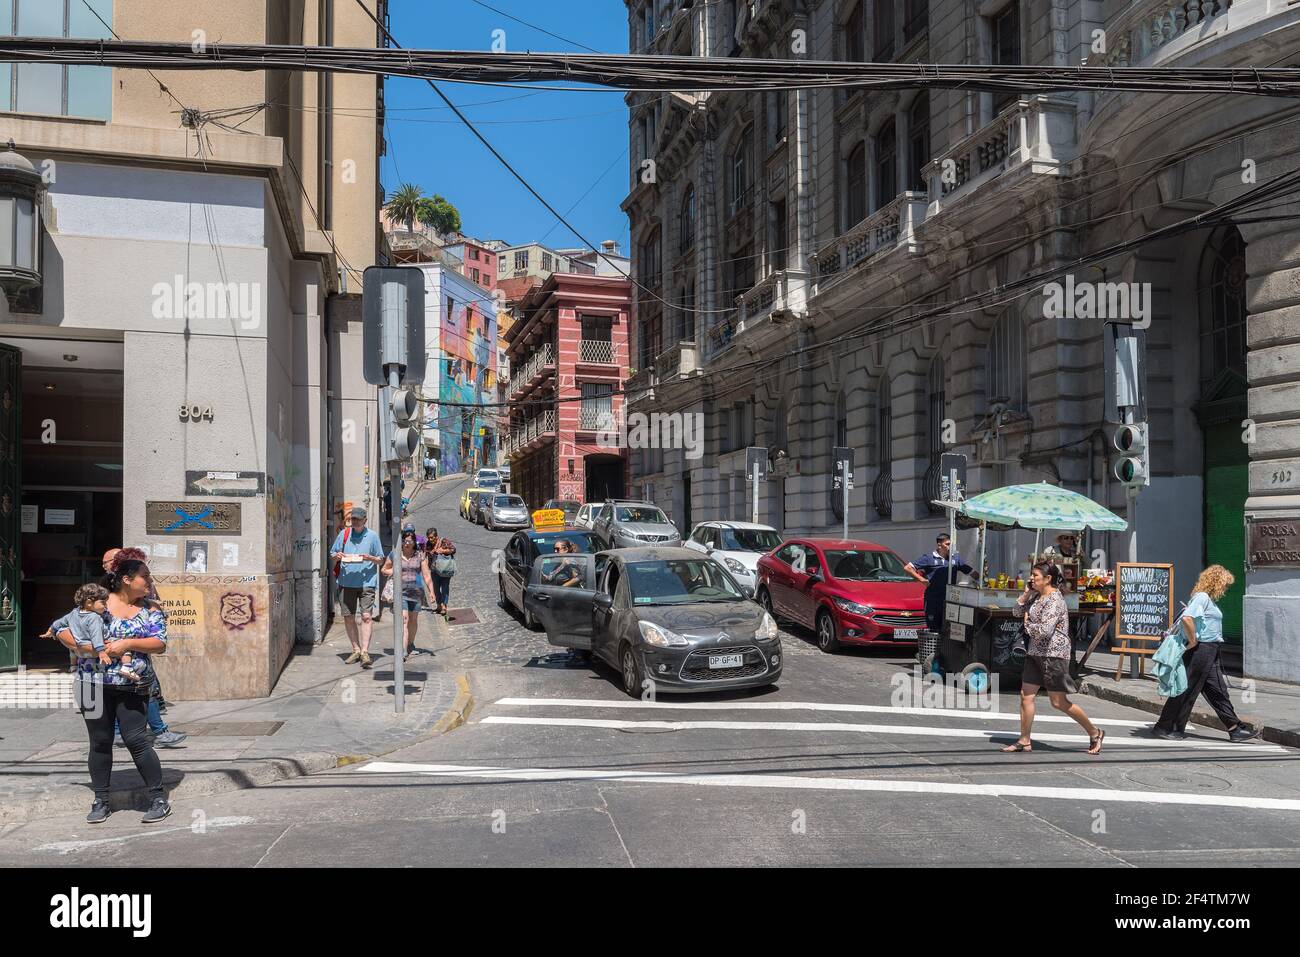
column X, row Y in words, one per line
column 835, row 726
column 802, row 782
column 804, row 706
column 71, row 847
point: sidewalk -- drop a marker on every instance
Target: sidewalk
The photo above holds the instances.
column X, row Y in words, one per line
column 1272, row 706
column 322, row 714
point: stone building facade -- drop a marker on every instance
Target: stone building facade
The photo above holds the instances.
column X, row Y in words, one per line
column 784, row 244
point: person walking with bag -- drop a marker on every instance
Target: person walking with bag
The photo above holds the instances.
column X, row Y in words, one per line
column 357, row 554
column 1047, row 663
column 442, row 562
column 1202, row 624
column 415, row 583
column 137, row 625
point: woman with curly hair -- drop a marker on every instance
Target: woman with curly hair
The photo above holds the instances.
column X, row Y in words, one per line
column 1202, row 624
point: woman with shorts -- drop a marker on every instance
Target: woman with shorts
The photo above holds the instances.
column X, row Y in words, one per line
column 415, row 582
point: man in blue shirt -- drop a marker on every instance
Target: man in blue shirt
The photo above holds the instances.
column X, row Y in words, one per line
column 359, row 554
column 933, row 570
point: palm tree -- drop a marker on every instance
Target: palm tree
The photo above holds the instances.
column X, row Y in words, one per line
column 405, row 205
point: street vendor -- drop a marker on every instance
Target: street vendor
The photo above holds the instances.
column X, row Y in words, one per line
column 933, row 570
column 1065, row 549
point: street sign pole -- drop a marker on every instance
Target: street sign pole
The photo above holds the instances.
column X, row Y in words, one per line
column 844, row 490
column 395, row 509
column 754, row 484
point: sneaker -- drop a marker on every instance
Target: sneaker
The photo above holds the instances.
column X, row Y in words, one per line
column 1242, row 733
column 366, row 660
column 1168, row 735
column 158, row 810
column 353, row 658
column 169, row 739
column 99, row 812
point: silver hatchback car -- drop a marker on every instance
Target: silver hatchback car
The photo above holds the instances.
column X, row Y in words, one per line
column 506, row 511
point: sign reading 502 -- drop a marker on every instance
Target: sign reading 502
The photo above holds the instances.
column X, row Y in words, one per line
column 196, row 413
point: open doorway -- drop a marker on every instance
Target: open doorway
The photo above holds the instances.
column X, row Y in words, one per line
column 69, row 474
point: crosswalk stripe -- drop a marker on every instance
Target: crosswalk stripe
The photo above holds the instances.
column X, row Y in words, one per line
column 805, row 782
column 628, row 703
column 886, row 729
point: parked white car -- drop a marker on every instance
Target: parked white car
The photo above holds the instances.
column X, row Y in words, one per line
column 737, row 545
column 586, row 517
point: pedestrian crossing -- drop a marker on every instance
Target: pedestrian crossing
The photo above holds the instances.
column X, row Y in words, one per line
column 719, row 728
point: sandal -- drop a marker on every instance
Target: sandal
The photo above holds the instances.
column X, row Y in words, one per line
column 1017, row 748
column 1094, row 744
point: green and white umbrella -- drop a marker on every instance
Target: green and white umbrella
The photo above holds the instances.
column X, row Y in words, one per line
column 1041, row 506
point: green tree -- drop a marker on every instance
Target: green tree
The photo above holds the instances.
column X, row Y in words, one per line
column 404, row 205
column 437, row 212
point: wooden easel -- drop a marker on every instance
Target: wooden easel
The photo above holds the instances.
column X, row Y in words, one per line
column 1140, row 653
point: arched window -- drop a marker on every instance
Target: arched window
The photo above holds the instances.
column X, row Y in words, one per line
column 886, row 164
column 918, row 141
column 686, row 238
column 855, row 36
column 855, row 209
column 1006, row 363
column 1223, row 311
column 937, row 413
column 882, row 493
column 841, row 419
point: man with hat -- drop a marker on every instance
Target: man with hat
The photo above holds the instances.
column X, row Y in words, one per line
column 1066, row 547
column 359, row 554
column 933, row 570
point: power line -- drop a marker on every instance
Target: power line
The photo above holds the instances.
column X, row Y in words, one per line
column 533, row 26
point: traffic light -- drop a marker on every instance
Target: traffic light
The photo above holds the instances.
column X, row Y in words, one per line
column 406, row 438
column 1132, row 468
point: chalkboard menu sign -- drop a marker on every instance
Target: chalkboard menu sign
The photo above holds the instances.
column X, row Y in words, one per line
column 1144, row 601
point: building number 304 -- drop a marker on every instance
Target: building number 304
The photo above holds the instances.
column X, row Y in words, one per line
column 195, row 413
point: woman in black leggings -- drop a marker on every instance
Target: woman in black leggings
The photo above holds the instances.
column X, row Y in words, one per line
column 134, row 623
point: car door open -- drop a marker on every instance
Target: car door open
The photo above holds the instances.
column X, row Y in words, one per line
column 561, row 593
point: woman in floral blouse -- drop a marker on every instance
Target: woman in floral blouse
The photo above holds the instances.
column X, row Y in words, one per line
column 135, row 623
column 1047, row 663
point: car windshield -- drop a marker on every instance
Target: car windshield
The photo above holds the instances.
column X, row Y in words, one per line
column 749, row 540
column 508, row 501
column 852, row 564
column 680, row 582
column 586, row 542
column 641, row 514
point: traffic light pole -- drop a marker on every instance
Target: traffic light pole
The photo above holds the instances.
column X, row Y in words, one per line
column 395, row 502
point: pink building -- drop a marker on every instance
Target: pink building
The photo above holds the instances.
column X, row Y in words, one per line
column 568, row 352
column 480, row 263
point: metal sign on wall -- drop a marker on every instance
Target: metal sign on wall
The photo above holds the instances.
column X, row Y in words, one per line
column 189, row 518
column 1273, row 543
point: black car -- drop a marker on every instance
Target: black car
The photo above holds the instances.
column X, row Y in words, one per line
column 518, row 572
column 668, row 619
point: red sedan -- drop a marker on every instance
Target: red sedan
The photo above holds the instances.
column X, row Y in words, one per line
column 849, row 592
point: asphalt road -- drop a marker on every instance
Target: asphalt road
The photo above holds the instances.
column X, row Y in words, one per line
column 558, row 767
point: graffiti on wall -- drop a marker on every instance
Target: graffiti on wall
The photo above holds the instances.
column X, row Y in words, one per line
column 237, row 610
column 467, row 378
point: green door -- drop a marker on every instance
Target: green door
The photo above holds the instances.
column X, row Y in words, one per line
column 11, row 634
column 1226, row 487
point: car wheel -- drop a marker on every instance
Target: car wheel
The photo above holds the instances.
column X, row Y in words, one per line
column 630, row 669
column 827, row 640
column 502, row 600
column 530, row 620
column 765, row 600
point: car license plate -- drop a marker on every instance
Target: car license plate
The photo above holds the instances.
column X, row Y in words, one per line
column 726, row 661
column 906, row 634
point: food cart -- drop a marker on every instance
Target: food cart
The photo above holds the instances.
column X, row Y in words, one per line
column 980, row 629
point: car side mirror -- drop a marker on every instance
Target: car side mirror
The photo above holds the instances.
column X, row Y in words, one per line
column 604, row 600
column 815, row 576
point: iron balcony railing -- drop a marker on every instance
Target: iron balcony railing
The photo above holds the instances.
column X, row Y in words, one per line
column 522, row 377
column 882, row 493
column 531, row 429
column 598, row 351
column 596, row 415
column 931, row 486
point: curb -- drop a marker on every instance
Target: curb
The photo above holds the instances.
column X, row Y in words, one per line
column 1284, row 736
column 258, row 773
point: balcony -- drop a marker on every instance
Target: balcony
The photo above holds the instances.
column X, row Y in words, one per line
column 1034, row 136
column 525, row 377
column 528, row 434
column 1147, row 26
column 779, row 294
column 596, row 352
column 893, row 226
column 418, row 246
column 675, row 362
column 595, row 415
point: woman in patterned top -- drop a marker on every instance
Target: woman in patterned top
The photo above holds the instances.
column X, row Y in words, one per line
column 1047, row 662
column 134, row 623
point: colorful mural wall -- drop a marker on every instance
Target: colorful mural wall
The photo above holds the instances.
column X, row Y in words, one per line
column 467, row 378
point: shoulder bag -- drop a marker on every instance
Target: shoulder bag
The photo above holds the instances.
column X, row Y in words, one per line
column 338, row 564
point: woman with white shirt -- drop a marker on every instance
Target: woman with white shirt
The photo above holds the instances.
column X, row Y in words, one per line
column 1202, row 623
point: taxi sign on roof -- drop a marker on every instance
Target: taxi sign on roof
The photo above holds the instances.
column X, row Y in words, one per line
column 548, row 518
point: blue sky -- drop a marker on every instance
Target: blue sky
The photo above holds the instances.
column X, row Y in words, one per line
column 564, row 144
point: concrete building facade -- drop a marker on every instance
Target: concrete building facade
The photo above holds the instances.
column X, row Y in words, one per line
column 785, row 239
column 189, row 367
